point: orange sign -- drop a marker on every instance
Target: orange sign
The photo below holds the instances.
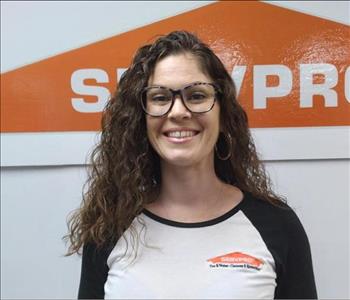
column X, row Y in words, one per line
column 291, row 70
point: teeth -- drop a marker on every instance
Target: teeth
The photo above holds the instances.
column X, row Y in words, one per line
column 181, row 134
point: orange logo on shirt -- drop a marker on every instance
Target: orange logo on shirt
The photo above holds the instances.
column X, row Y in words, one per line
column 235, row 260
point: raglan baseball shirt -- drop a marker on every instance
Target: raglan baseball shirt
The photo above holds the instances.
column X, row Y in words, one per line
column 255, row 250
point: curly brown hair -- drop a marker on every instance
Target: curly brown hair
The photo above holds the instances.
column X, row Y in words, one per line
column 125, row 170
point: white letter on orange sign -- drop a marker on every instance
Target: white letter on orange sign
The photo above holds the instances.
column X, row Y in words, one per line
column 78, row 87
column 262, row 91
column 347, row 84
column 308, row 88
column 237, row 75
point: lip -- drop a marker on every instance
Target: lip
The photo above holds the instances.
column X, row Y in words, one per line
column 180, row 140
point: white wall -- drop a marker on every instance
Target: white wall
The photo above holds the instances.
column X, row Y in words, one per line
column 34, row 204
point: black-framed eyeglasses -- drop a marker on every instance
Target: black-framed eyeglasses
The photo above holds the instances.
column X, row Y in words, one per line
column 197, row 97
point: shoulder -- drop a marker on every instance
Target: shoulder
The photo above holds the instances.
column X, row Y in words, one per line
column 276, row 223
column 91, row 249
column 281, row 214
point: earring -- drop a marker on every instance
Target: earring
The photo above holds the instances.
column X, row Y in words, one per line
column 228, row 140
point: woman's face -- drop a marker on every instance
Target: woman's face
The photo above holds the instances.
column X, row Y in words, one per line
column 200, row 130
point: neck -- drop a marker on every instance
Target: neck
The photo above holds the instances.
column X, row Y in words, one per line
column 193, row 194
column 194, row 187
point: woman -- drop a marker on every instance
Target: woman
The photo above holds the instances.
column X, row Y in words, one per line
column 178, row 204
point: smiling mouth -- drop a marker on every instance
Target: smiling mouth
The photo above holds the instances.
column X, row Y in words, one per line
column 181, row 134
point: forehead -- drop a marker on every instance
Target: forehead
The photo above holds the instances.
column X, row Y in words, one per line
column 178, row 70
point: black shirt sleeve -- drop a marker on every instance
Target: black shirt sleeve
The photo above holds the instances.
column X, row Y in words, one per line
column 297, row 281
column 94, row 271
column 285, row 237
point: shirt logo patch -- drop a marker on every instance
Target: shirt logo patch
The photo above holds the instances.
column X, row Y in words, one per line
column 235, row 260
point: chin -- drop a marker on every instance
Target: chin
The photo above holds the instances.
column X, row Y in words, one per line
column 180, row 162
column 184, row 160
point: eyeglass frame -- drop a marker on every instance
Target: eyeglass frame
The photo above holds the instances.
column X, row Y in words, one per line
column 179, row 92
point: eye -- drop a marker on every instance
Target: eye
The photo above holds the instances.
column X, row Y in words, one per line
column 159, row 98
column 197, row 96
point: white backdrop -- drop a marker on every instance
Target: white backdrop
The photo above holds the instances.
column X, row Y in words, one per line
column 39, row 188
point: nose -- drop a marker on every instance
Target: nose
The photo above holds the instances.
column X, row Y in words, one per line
column 179, row 111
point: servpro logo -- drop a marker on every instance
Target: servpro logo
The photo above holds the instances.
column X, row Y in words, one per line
column 263, row 92
column 285, row 75
column 235, row 260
